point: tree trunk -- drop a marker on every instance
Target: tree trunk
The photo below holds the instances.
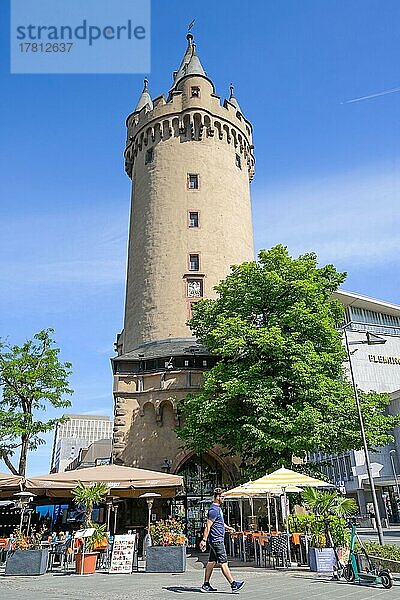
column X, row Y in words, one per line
column 23, row 455
column 88, row 517
column 9, row 464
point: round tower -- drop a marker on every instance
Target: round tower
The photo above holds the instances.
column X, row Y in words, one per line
column 190, row 159
column 191, row 162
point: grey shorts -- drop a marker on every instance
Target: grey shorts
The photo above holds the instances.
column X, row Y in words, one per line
column 217, row 552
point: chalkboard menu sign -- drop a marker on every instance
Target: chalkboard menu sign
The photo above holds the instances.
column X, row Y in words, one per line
column 123, row 554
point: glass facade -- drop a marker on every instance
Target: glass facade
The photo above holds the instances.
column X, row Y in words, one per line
column 362, row 319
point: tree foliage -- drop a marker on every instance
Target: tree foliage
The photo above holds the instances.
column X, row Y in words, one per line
column 279, row 387
column 32, row 379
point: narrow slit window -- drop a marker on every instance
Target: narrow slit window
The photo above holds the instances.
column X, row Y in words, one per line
column 193, row 181
column 193, row 219
column 149, row 156
column 195, row 91
column 238, row 161
column 194, row 262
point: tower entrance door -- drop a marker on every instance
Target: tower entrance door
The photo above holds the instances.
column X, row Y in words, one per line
column 201, row 474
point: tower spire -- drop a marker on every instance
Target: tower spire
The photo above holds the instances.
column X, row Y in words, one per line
column 194, row 66
column 190, row 64
column 145, row 98
column 232, row 98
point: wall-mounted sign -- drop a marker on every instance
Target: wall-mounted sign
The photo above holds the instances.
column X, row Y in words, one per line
column 387, row 360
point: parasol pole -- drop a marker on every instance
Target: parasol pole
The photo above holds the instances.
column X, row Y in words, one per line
column 241, row 527
column 269, row 512
column 276, row 515
column 285, row 500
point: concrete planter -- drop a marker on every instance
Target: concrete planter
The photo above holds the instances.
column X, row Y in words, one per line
column 27, row 562
column 386, row 563
column 166, row 559
column 321, row 560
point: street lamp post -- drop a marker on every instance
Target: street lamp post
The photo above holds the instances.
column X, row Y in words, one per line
column 391, row 453
column 23, row 501
column 371, row 340
column 149, row 497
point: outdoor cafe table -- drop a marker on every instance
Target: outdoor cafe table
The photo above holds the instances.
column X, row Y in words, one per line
column 237, row 541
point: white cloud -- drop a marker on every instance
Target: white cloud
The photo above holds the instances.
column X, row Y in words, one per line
column 352, row 218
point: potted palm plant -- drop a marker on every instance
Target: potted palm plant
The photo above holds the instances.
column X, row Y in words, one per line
column 328, row 528
column 87, row 497
column 26, row 557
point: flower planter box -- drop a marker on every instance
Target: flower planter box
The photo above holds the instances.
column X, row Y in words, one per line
column 321, row 560
column 27, row 562
column 166, row 559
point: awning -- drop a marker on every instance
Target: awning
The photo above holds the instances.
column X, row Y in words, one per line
column 9, row 483
column 127, row 482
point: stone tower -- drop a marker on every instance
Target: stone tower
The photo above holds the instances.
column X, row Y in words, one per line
column 191, row 161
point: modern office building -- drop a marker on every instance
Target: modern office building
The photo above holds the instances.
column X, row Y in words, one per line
column 376, row 368
column 76, row 432
column 97, row 454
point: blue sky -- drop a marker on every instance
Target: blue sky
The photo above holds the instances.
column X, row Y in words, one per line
column 327, row 171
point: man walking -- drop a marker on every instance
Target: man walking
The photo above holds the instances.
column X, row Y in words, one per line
column 215, row 534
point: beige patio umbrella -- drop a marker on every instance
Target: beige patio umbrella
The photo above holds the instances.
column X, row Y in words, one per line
column 128, row 482
column 9, row 483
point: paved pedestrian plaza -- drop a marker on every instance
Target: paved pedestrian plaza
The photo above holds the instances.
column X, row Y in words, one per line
column 260, row 584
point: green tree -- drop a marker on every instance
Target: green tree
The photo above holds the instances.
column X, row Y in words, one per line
column 32, row 379
column 279, row 386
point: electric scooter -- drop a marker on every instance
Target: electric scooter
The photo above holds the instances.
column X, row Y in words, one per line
column 360, row 568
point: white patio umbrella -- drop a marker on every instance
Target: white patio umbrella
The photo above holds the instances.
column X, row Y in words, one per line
column 287, row 480
column 250, row 491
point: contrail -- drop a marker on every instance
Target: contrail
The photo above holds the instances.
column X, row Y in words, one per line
column 392, row 91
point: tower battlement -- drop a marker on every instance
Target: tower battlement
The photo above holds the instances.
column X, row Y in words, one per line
column 189, row 117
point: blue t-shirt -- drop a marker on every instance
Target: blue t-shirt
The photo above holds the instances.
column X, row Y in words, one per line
column 217, row 531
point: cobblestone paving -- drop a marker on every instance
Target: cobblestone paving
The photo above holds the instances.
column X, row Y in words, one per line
column 260, row 584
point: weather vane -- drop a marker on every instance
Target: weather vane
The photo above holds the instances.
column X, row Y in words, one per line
column 191, row 24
